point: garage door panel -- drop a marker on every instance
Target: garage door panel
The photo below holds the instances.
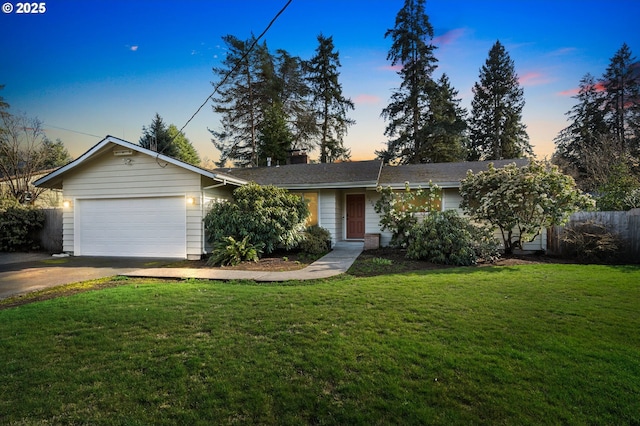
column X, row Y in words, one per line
column 137, row 227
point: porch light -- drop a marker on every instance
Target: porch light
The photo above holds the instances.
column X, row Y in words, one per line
column 191, row 201
column 66, row 204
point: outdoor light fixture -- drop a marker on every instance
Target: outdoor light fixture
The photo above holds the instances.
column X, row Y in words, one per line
column 191, row 201
column 66, row 204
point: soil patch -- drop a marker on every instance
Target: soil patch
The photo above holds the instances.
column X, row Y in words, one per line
column 275, row 262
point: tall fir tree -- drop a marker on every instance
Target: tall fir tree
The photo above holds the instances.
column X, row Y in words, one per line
column 185, row 151
column 446, row 126
column 621, row 82
column 242, row 99
column 274, row 136
column 156, row 138
column 407, row 113
column 496, row 128
column 294, row 100
column 585, row 134
column 328, row 102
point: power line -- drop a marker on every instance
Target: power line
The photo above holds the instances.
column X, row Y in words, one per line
column 237, row 65
column 72, row 131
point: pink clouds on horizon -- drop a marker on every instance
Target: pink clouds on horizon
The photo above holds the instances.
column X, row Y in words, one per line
column 366, row 99
column 599, row 86
column 534, row 78
column 449, row 37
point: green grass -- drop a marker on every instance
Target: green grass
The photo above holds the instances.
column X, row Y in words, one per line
column 533, row 344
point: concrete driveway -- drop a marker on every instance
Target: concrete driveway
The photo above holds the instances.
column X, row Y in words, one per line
column 25, row 272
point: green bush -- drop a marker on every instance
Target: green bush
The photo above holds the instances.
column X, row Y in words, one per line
column 449, row 239
column 397, row 209
column 19, row 228
column 317, row 240
column 268, row 216
column 228, row 251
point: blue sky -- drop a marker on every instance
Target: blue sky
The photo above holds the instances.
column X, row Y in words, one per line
column 106, row 67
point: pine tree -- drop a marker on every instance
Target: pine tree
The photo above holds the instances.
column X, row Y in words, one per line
column 446, row 126
column 185, row 150
column 408, row 110
column 156, row 138
column 496, row 128
column 294, row 100
column 329, row 104
column 241, row 100
column 585, row 134
column 275, row 138
column 622, row 87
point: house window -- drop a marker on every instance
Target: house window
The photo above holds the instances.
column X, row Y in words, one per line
column 312, row 202
column 420, row 204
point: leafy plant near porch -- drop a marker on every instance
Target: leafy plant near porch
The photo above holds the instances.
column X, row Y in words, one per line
column 229, row 252
column 449, row 239
column 398, row 209
column 265, row 215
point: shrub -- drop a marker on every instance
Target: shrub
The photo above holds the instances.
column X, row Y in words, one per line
column 397, row 210
column 270, row 217
column 228, row 251
column 590, row 241
column 521, row 201
column 449, row 239
column 19, row 228
column 317, row 240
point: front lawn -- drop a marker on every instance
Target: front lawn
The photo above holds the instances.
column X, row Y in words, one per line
column 524, row 344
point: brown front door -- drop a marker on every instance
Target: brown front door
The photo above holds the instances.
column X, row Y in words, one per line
column 355, row 216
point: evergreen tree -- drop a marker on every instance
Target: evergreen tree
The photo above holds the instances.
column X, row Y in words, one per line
column 329, row 104
column 585, row 134
column 446, row 126
column 185, row 150
column 496, row 128
column 275, row 138
column 408, row 110
column 242, row 99
column 156, row 138
column 622, row 87
column 54, row 153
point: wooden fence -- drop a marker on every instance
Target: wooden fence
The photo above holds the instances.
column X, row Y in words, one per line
column 51, row 234
column 624, row 224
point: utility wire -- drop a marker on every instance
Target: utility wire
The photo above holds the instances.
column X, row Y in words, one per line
column 72, row 131
column 228, row 74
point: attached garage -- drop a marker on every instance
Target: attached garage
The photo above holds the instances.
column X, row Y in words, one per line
column 131, row 227
column 124, row 200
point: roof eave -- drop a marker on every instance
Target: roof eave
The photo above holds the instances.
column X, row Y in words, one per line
column 51, row 177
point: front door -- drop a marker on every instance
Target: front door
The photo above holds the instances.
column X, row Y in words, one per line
column 355, row 216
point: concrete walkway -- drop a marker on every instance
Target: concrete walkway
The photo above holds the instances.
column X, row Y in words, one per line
column 338, row 261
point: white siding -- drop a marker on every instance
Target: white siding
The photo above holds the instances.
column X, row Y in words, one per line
column 328, row 214
column 373, row 219
column 451, row 199
column 138, row 175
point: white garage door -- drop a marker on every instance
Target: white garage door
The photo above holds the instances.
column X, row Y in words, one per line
column 131, row 227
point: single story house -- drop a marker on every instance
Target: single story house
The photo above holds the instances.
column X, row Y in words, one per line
column 124, row 200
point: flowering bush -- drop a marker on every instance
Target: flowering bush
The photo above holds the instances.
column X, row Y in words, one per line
column 521, row 201
column 397, row 210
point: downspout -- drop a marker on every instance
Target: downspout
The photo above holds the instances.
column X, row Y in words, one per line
column 202, row 198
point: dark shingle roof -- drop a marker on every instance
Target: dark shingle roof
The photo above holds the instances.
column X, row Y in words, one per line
column 325, row 175
column 444, row 174
column 362, row 174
